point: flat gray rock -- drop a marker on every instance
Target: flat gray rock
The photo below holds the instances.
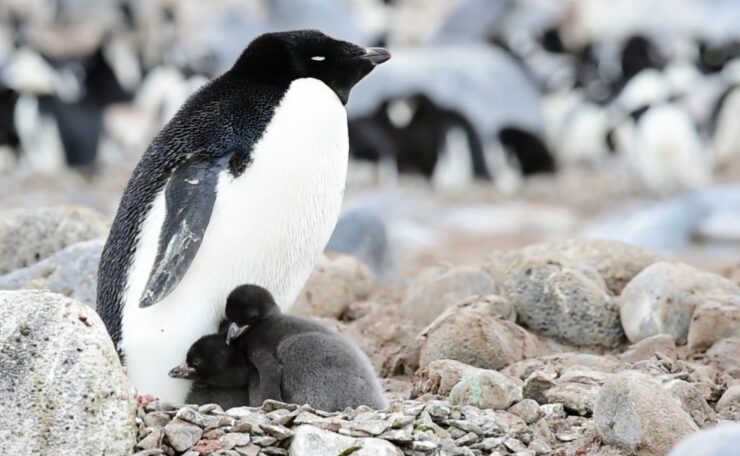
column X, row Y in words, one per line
column 310, row 440
column 62, row 386
column 72, row 272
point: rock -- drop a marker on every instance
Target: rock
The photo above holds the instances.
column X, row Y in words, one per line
column 30, row 235
column 335, row 283
column 691, row 401
column 714, row 320
column 486, row 389
column 564, row 301
column 634, row 413
column 385, row 338
column 472, row 334
column 576, row 397
column 662, row 298
column 648, row 347
column 730, row 398
column 560, row 363
column 440, row 376
column 526, row 409
column 73, row 272
column 723, row 355
column 181, row 434
column 429, row 298
column 62, row 386
column 310, row 440
column 616, row 262
column 722, row 440
column 537, row 385
column 361, row 233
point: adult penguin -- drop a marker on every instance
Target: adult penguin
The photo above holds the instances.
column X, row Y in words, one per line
column 243, row 185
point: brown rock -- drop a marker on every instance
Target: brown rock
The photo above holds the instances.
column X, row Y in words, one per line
column 724, row 356
column 730, row 399
column 429, row 298
column 471, row 335
column 439, row 377
column 714, row 320
column 335, row 283
column 647, row 348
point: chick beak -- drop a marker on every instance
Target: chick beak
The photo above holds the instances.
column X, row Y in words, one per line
column 183, row 371
column 234, row 332
column 376, row 55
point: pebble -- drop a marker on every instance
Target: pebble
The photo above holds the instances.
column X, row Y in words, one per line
column 182, row 434
column 526, row 409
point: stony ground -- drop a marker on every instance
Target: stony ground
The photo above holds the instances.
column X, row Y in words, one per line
column 494, row 333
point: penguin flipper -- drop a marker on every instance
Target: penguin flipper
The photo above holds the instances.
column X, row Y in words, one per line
column 189, row 197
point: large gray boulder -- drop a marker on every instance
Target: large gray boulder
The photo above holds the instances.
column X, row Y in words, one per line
column 72, row 272
column 634, row 413
column 62, row 386
column 661, row 299
column 564, row 301
column 30, row 235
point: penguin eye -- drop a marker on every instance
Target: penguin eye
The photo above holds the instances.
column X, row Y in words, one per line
column 318, row 58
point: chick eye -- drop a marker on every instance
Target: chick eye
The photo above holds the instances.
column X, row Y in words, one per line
column 318, row 58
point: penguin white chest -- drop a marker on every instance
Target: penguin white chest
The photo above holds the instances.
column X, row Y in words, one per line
column 268, row 227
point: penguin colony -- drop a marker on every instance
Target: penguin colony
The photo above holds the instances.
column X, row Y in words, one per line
column 243, row 185
column 603, row 98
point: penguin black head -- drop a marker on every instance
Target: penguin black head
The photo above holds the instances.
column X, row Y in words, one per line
column 211, row 362
column 247, row 306
column 286, row 56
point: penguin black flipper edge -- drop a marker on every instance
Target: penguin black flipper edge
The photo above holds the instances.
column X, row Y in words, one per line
column 189, row 197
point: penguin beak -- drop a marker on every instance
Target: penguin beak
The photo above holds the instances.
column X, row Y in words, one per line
column 376, row 55
column 234, row 332
column 183, row 371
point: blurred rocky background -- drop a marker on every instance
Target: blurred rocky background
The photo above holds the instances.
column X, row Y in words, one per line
column 540, row 246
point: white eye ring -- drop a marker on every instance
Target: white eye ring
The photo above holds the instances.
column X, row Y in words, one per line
column 318, row 58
